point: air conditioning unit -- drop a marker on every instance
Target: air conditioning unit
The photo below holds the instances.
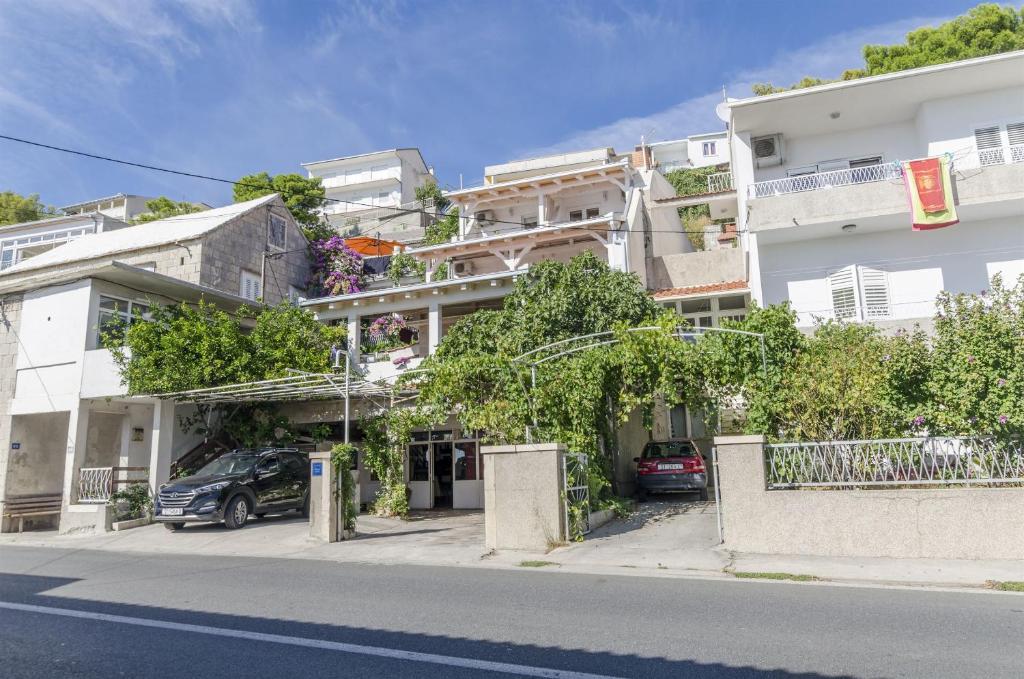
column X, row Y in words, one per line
column 463, row 268
column 767, row 150
column 485, row 217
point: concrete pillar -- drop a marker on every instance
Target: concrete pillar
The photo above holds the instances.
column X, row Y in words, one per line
column 160, row 441
column 433, row 326
column 354, row 336
column 323, row 510
column 741, row 486
column 523, row 503
column 78, row 433
column 542, row 209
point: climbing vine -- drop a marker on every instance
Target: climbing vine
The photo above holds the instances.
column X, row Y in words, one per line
column 342, row 456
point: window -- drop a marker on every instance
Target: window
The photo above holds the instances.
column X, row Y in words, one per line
column 276, row 230
column 576, row 216
column 530, row 222
column 593, row 213
column 465, row 461
column 267, row 466
column 709, row 312
column 994, row 149
column 250, row 286
column 114, row 317
column 383, row 197
column 419, row 465
column 865, row 162
column 859, row 293
column 709, row 148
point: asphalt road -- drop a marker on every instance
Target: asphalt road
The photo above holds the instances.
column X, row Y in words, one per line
column 68, row 613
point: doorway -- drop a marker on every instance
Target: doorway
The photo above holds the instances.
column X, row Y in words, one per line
column 442, row 464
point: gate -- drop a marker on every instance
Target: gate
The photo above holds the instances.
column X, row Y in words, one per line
column 576, row 493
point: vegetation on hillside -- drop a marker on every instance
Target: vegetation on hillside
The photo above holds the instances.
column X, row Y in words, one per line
column 163, row 207
column 15, row 208
column 304, row 197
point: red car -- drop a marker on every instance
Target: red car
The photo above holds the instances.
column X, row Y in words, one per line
column 670, row 466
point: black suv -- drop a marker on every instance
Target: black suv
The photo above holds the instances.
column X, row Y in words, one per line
column 235, row 485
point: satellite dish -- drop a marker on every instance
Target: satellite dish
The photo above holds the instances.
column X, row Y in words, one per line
column 722, row 111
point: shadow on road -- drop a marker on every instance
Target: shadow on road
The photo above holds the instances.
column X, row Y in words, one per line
column 30, row 589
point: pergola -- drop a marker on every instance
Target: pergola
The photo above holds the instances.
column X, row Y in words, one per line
column 297, row 387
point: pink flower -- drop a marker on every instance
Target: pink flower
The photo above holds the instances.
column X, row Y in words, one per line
column 1003, row 419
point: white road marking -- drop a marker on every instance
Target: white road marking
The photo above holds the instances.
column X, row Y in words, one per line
column 358, row 649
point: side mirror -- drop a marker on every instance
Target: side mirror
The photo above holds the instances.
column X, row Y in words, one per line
column 636, row 459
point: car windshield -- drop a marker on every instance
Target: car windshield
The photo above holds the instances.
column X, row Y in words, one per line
column 232, row 463
column 669, row 449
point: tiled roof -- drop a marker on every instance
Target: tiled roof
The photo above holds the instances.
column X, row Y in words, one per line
column 670, row 293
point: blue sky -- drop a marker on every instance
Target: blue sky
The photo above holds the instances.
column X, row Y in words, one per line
column 228, row 87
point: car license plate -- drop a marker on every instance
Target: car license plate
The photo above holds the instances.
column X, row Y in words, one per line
column 173, row 511
column 669, row 467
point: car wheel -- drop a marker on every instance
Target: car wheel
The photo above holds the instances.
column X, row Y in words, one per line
column 305, row 507
column 237, row 512
column 704, row 494
column 177, row 525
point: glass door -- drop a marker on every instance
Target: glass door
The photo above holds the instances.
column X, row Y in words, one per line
column 468, row 490
column 442, row 468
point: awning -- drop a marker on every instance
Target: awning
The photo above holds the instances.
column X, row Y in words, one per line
column 297, row 387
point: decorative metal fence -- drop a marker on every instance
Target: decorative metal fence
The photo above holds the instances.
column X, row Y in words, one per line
column 96, row 484
column 719, row 182
column 895, row 462
column 826, row 180
column 577, row 496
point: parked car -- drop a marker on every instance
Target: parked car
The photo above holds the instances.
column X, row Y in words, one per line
column 235, row 485
column 670, row 466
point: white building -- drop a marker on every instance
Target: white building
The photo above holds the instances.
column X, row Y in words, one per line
column 823, row 209
column 698, row 150
column 65, row 421
column 123, row 206
column 525, row 212
column 25, row 240
column 366, row 192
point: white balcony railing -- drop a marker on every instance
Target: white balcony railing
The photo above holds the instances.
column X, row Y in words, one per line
column 720, row 182
column 827, row 180
column 96, row 484
column 1001, row 155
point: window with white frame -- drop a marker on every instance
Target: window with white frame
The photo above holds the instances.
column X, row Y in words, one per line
column 277, row 230
column 250, row 287
column 114, row 317
column 859, row 293
column 709, row 312
column 709, row 148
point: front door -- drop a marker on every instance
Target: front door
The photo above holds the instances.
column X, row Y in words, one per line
column 443, row 493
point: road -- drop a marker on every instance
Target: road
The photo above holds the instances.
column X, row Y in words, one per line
column 84, row 614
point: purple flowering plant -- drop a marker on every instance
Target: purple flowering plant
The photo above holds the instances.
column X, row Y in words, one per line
column 337, row 268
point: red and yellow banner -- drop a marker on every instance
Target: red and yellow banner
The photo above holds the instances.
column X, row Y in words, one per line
column 930, row 191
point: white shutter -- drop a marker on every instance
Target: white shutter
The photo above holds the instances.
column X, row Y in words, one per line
column 1015, row 136
column 874, row 285
column 250, row 286
column 989, row 143
column 844, row 293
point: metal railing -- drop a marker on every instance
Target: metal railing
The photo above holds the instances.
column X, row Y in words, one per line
column 827, row 180
column 720, row 182
column 1001, row 155
column 894, row 462
column 97, row 484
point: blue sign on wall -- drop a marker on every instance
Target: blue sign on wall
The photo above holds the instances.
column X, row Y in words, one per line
column 15, row 445
column 318, row 469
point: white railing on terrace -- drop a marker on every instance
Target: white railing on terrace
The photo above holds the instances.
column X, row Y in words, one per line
column 96, row 484
column 895, row 462
column 720, row 182
column 827, row 180
column 1001, row 155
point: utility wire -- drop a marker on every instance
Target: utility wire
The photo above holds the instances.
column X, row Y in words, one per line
column 221, row 180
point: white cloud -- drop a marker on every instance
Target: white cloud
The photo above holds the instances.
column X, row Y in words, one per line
column 826, row 58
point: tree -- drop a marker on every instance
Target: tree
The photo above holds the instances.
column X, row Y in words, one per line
column 15, row 208
column 304, row 197
column 691, row 181
column 985, row 29
column 163, row 207
column 440, row 230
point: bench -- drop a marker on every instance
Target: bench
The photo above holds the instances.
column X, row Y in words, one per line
column 21, row 506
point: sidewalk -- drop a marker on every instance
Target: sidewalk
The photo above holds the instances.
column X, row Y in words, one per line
column 660, row 539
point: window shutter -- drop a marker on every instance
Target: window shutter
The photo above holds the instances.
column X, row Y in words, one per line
column 844, row 293
column 874, row 286
column 989, row 142
column 1015, row 133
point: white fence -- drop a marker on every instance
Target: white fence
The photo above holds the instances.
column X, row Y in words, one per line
column 1000, row 155
column 720, row 182
column 825, row 180
column 97, row 484
column 894, row 462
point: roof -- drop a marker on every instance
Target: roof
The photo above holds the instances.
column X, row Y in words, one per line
column 105, row 199
column 368, row 155
column 691, row 290
column 59, row 219
column 601, row 168
column 140, row 237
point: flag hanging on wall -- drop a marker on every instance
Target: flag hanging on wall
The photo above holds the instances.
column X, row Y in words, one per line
column 930, row 191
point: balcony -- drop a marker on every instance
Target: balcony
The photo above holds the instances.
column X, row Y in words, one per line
column 1001, row 156
column 826, row 180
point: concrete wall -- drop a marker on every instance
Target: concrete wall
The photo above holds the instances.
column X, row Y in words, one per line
column 37, row 466
column 698, row 268
column 10, row 320
column 523, row 506
column 963, row 523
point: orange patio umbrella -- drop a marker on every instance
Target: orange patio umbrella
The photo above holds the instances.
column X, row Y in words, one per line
column 372, row 247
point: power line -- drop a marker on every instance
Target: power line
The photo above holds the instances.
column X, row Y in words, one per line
column 221, row 180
